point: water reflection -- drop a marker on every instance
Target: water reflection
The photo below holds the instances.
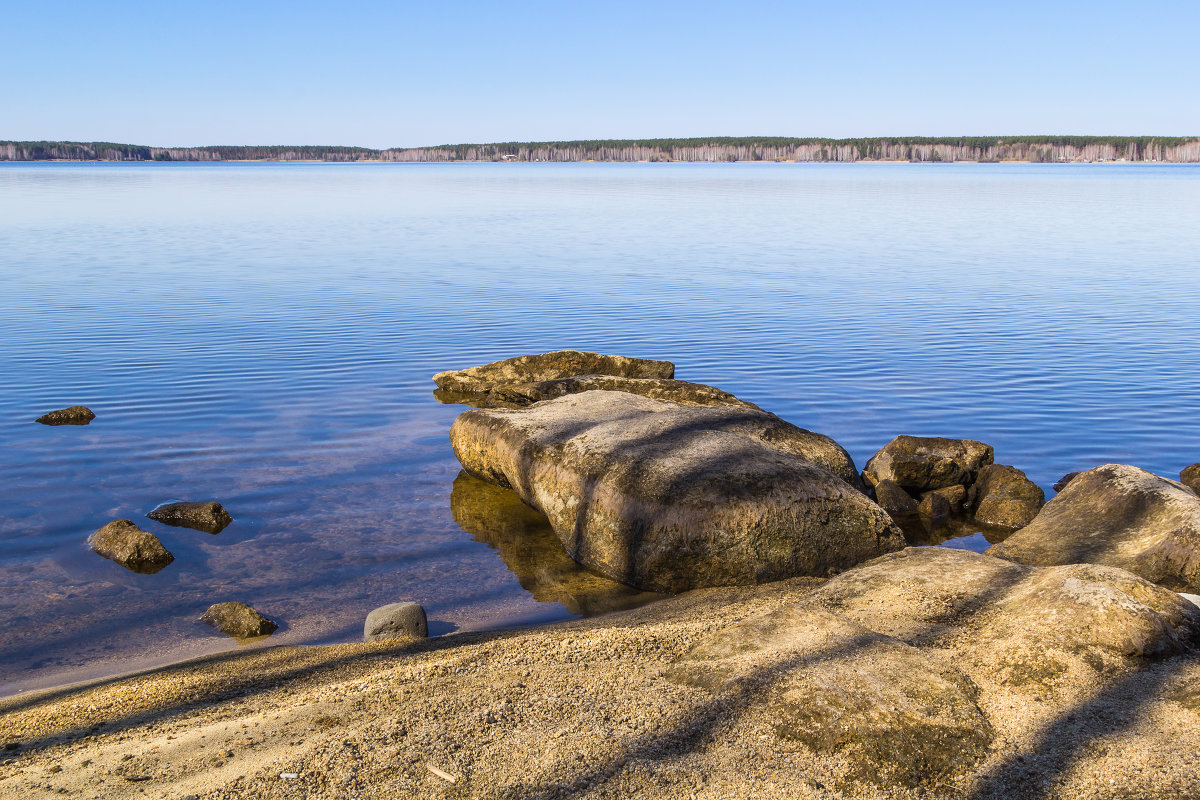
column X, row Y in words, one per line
column 532, row 552
column 955, row 531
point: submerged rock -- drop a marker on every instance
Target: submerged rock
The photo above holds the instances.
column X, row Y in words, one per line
column 1121, row 516
column 549, row 367
column 1005, row 498
column 527, row 545
column 238, row 620
column 919, row 464
column 1190, row 477
column 396, row 621
column 130, row 546
column 75, row 415
column 209, row 517
column 669, row 498
column 673, row 391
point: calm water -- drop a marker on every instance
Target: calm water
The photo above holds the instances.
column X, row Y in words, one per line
column 263, row 335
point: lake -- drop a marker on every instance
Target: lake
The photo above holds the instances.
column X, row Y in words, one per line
column 264, row 335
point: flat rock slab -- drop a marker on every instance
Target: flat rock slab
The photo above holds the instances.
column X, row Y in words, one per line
column 75, row 415
column 549, row 367
column 396, row 621
column 238, row 620
column 666, row 497
column 685, row 393
column 919, row 464
column 1121, row 516
column 130, row 546
column 210, row 517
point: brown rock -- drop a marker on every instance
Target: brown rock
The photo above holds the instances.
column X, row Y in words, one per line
column 673, row 391
column 238, row 620
column 934, row 506
column 550, row 367
column 75, row 415
column 1005, row 498
column 1120, row 516
column 919, row 464
column 130, row 546
column 209, row 517
column 894, row 500
column 955, row 496
column 668, row 498
column 1190, row 477
column 1065, row 479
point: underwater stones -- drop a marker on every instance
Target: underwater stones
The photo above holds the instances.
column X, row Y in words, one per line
column 673, row 391
column 920, row 464
column 667, row 497
column 549, row 367
column 1190, row 477
column 75, row 415
column 1005, row 498
column 238, row 620
column 1120, row 516
column 396, row 621
column 897, row 714
column 210, row 517
column 130, row 546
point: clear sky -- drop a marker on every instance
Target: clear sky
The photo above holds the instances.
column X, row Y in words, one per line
column 383, row 74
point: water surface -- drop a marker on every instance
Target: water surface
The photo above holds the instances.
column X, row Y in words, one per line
column 263, row 335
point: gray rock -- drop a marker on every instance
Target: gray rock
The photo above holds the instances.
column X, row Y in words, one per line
column 681, row 392
column 209, row 517
column 1065, row 479
column 1190, row 477
column 1194, row 599
column 396, row 621
column 1005, row 498
column 75, row 415
column 919, row 464
column 1121, row 516
column 894, row 500
column 130, row 546
column 666, row 497
column 238, row 620
column 549, row 367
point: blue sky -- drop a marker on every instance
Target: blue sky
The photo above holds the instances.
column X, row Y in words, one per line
column 406, row 74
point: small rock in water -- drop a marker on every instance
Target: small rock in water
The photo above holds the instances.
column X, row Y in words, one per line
column 396, row 621
column 1065, row 479
column 130, row 546
column 238, row 620
column 209, row 517
column 1190, row 477
column 934, row 506
column 894, row 500
column 75, row 415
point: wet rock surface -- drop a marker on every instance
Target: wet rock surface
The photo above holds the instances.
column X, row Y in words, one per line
column 1005, row 498
column 75, row 415
column 673, row 391
column 527, row 545
column 238, row 620
column 549, row 367
column 920, row 464
column 130, row 546
column 1121, row 516
column 668, row 498
column 210, row 517
column 396, row 621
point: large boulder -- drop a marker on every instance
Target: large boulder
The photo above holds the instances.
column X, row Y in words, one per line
column 1005, row 498
column 919, row 464
column 1120, row 516
column 130, row 546
column 549, row 367
column 898, row 715
column 405, row 620
column 668, row 498
column 210, row 517
column 75, row 415
column 1190, row 477
column 527, row 545
column 682, row 392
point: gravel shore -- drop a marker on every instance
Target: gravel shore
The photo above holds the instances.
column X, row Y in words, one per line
column 576, row 709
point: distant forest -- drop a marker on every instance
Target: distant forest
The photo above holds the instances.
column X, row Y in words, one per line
column 719, row 148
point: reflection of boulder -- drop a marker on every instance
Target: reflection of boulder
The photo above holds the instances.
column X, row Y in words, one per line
column 549, row 367
column 670, row 498
column 532, row 552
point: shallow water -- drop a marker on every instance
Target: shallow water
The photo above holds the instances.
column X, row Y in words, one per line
column 263, row 335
